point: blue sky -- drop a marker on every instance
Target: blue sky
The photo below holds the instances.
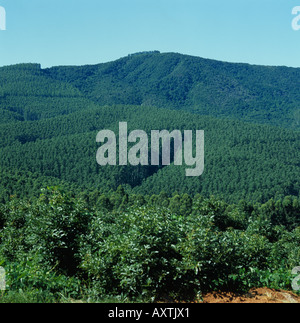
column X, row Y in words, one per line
column 73, row 32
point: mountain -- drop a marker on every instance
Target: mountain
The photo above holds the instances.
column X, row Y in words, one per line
column 71, row 229
column 263, row 94
column 50, row 119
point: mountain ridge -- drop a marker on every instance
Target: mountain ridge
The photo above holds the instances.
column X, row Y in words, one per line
column 50, row 118
column 255, row 93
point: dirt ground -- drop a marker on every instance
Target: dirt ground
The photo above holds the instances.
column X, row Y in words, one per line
column 255, row 295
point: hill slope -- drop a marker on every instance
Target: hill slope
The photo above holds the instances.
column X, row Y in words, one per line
column 254, row 162
column 261, row 94
column 149, row 232
column 50, row 118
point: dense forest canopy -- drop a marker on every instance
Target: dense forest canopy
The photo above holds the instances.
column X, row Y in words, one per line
column 250, row 116
column 67, row 223
column 263, row 94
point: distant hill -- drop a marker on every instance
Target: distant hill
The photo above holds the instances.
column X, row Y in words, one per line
column 263, row 94
column 49, row 119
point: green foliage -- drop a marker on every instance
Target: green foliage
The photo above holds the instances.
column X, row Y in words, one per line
column 261, row 94
column 50, row 118
column 31, row 281
column 133, row 253
column 61, row 151
column 146, row 232
column 57, row 247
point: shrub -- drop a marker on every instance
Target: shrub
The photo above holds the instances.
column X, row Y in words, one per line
column 30, row 280
column 133, row 253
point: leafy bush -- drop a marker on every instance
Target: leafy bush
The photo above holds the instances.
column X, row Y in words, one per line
column 133, row 253
column 58, row 247
column 49, row 227
column 30, row 280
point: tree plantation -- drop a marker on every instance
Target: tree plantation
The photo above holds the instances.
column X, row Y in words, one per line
column 72, row 227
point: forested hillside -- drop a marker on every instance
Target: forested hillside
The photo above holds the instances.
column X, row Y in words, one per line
column 69, row 225
column 50, row 118
column 242, row 161
column 263, row 94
